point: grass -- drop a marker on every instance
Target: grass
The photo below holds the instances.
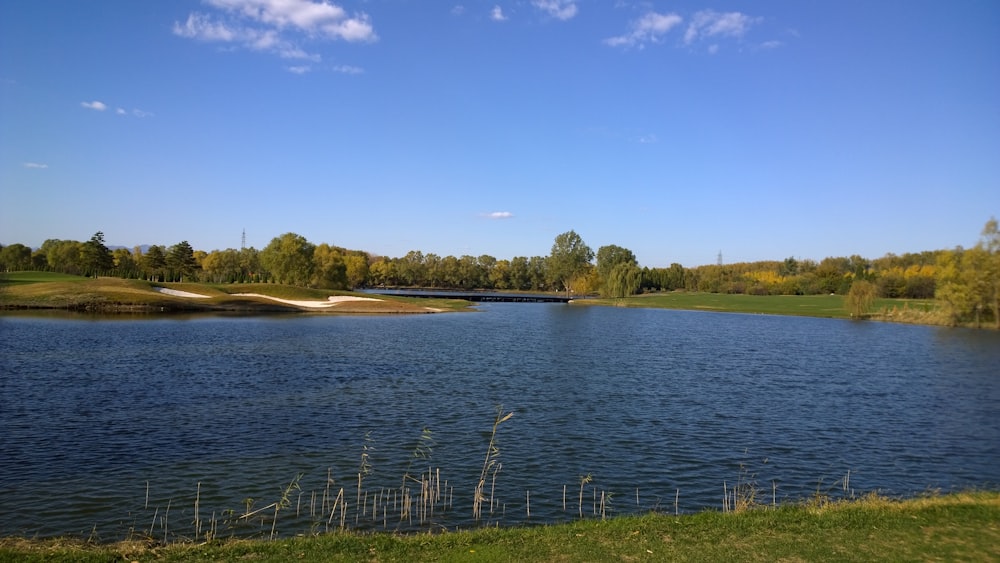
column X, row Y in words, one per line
column 826, row 306
column 955, row 527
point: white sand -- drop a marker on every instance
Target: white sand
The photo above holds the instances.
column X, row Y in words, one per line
column 331, row 301
column 178, row 293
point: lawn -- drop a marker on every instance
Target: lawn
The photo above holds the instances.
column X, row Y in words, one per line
column 955, row 527
column 828, row 306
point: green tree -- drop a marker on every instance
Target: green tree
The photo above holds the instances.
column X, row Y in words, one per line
column 608, row 259
column 569, row 258
column 356, row 269
column 154, row 263
column 15, row 257
column 990, row 242
column 329, row 269
column 623, row 280
column 181, row 262
column 289, row 259
column 860, row 298
column 96, row 257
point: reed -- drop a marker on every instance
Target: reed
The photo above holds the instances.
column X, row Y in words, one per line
column 490, row 465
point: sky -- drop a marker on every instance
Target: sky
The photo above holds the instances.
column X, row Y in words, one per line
column 680, row 130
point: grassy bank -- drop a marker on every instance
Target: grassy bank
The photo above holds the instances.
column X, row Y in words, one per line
column 956, row 527
column 826, row 306
column 45, row 290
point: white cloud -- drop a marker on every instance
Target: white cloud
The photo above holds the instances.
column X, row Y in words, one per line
column 650, row 28
column 348, row 69
column 121, row 111
column 458, row 10
column 275, row 26
column 299, row 69
column 709, row 23
column 500, row 215
column 140, row 113
column 496, row 14
column 94, row 105
column 36, row 165
column 773, row 44
column 559, row 9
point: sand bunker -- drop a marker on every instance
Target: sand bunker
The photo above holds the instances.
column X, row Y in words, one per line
column 178, row 293
column 331, row 301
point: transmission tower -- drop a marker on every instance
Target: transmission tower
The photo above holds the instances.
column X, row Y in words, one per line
column 720, row 257
column 243, row 243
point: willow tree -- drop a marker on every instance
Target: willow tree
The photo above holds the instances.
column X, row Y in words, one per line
column 623, row 280
column 860, row 298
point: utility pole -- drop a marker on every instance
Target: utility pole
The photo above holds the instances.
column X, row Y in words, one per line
column 243, row 243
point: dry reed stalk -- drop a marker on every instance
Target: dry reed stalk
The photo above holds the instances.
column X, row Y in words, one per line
column 527, row 503
column 197, row 519
column 677, row 499
column 165, row 516
column 488, row 463
column 583, row 481
column 564, row 498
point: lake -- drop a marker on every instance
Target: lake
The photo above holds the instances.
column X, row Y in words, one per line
column 174, row 427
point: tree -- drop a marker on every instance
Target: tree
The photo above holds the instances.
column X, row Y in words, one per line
column 15, row 257
column 356, row 265
column 990, row 242
column 608, row 259
column 860, row 298
column 329, row 270
column 96, row 257
column 289, row 258
column 569, row 258
column 623, row 280
column 154, row 262
column 181, row 262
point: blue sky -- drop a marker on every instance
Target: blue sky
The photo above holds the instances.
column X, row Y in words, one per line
column 676, row 129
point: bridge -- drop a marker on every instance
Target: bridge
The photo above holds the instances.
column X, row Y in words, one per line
column 475, row 296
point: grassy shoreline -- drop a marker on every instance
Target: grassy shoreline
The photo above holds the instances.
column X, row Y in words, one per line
column 952, row 527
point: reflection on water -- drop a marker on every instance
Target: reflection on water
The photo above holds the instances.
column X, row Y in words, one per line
column 655, row 406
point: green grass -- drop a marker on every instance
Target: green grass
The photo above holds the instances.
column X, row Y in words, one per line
column 956, row 527
column 38, row 277
column 827, row 306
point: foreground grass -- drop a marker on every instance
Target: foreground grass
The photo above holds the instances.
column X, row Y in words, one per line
column 956, row 527
column 826, row 306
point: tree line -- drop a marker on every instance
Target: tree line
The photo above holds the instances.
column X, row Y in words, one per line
column 965, row 281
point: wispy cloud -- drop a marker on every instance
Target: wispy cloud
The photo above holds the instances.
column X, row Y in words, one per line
column 301, row 69
column 276, row 26
column 499, row 215
column 773, row 44
column 94, row 105
column 709, row 23
column 458, row 10
column 558, row 9
column 134, row 112
column 35, row 165
column 650, row 28
column 348, row 69
column 496, row 14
